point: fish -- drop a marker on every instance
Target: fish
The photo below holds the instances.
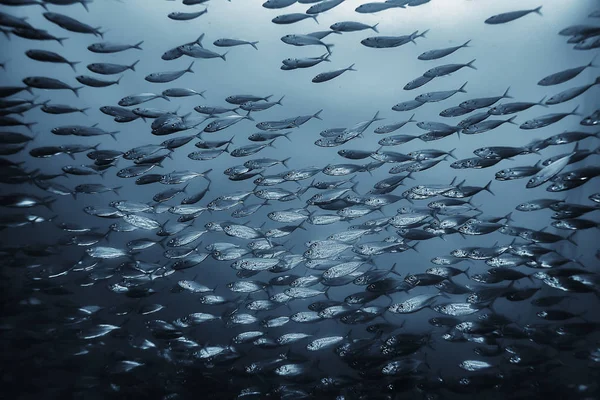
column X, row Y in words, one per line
column 570, row 94
column 112, row 47
column 234, row 42
column 285, row 19
column 327, row 76
column 383, row 42
column 164, row 77
column 72, row 24
column 49, row 56
column 440, row 53
column 548, row 172
column 547, row 119
column 111, row 69
column 565, row 75
column 511, row 16
column 42, row 82
column 439, row 96
column 183, row 16
column 140, row 98
column 352, row 26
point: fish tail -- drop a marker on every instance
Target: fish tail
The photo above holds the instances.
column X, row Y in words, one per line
column 60, row 40
column 466, row 44
column 165, row 97
column 99, row 32
column 316, row 115
column 76, row 90
column 284, row 162
column 542, row 102
column 511, row 120
column 249, row 117
column 462, row 88
column 374, row 27
column 451, row 153
column 189, row 69
column 470, row 64
column 84, row 3
column 132, row 66
column 223, row 56
column 487, row 188
column 113, row 134
column 72, row 64
column 29, row 125
column 43, row 6
column 351, row 68
column 253, row 44
column 48, row 203
column 205, row 175
column 138, row 45
column 574, row 112
column 570, row 238
column 279, row 101
column 116, row 190
column 119, row 80
column 537, row 10
column 315, row 18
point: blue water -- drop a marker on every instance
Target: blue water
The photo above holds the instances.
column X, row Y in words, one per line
column 43, row 352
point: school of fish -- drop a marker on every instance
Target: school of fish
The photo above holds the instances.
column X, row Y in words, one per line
column 292, row 276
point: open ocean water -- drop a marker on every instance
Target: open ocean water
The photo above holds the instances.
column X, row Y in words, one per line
column 299, row 199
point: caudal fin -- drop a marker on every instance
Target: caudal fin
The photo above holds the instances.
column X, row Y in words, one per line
column 132, row 66
column 189, row 69
column 76, row 90
column 72, row 64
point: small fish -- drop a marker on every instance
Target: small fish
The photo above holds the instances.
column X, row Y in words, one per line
column 439, row 96
column 49, row 56
column 326, row 76
column 546, row 120
column 72, row 24
column 183, row 16
column 110, row 47
column 169, row 76
column 233, row 42
column 42, row 82
column 436, row 54
column 292, row 18
column 110, row 69
column 351, row 26
column 511, row 16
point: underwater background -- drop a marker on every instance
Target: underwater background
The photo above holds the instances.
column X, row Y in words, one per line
column 90, row 310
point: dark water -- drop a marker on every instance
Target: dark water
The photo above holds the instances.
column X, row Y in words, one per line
column 59, row 292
